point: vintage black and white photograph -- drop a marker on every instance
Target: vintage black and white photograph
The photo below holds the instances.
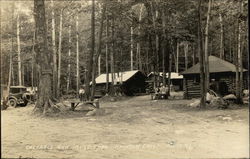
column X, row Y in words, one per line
column 117, row 79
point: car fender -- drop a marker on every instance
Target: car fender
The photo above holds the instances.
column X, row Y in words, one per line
column 12, row 97
column 17, row 100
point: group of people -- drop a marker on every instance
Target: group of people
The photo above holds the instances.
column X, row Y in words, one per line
column 161, row 92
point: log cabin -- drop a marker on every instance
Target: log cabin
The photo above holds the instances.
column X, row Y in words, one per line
column 175, row 78
column 128, row 83
column 222, row 74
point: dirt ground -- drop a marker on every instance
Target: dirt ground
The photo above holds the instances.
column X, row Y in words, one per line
column 130, row 128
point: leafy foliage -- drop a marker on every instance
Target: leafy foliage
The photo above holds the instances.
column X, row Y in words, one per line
column 181, row 25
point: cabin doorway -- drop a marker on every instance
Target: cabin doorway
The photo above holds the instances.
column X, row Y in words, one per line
column 223, row 88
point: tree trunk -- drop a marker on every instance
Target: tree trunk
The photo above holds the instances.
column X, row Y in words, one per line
column 98, row 52
column 112, row 58
column 139, row 44
column 12, row 47
column 147, row 55
column 12, row 41
column 235, row 40
column 19, row 53
column 137, row 56
column 131, row 48
column 107, row 54
column 154, row 14
column 43, row 59
column 237, row 75
column 121, row 65
column 157, row 53
column 163, row 66
column 239, row 67
column 33, row 60
column 201, row 57
column 10, row 74
column 47, row 24
column 194, row 55
column 59, row 56
column 92, row 51
column 221, row 38
column 230, row 48
column 186, row 55
column 54, row 51
column 207, row 78
column 177, row 57
column 77, row 58
column 69, row 62
column 238, row 94
column 23, row 73
column 163, row 48
column 239, row 61
column 99, row 65
column 173, row 51
column 240, row 56
column 169, row 74
column 151, row 49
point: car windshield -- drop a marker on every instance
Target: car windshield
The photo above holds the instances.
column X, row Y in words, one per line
column 17, row 90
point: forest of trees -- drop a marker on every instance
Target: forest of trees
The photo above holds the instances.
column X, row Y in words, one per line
column 87, row 38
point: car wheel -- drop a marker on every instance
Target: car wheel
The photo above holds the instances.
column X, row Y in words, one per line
column 13, row 103
column 25, row 103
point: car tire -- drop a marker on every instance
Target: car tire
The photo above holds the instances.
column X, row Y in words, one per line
column 25, row 103
column 13, row 102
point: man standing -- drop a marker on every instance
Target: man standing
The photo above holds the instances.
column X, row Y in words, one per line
column 81, row 93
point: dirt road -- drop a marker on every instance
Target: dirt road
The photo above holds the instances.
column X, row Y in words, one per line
column 132, row 128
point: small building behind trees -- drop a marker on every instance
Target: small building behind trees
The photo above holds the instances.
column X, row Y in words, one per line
column 128, row 83
column 222, row 78
column 175, row 78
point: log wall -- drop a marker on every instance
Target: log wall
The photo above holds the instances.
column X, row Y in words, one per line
column 192, row 87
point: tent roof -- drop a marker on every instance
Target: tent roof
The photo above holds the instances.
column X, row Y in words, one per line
column 174, row 75
column 216, row 65
column 125, row 76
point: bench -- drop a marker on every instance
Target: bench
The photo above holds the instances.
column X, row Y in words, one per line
column 75, row 103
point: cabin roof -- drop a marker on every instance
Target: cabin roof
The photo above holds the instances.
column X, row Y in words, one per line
column 216, row 65
column 174, row 75
column 125, row 76
column 18, row 87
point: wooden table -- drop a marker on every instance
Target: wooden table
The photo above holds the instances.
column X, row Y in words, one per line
column 75, row 103
column 156, row 96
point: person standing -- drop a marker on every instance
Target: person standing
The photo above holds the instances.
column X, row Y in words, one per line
column 81, row 93
column 163, row 91
column 157, row 93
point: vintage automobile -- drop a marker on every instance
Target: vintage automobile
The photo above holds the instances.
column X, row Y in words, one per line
column 18, row 96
